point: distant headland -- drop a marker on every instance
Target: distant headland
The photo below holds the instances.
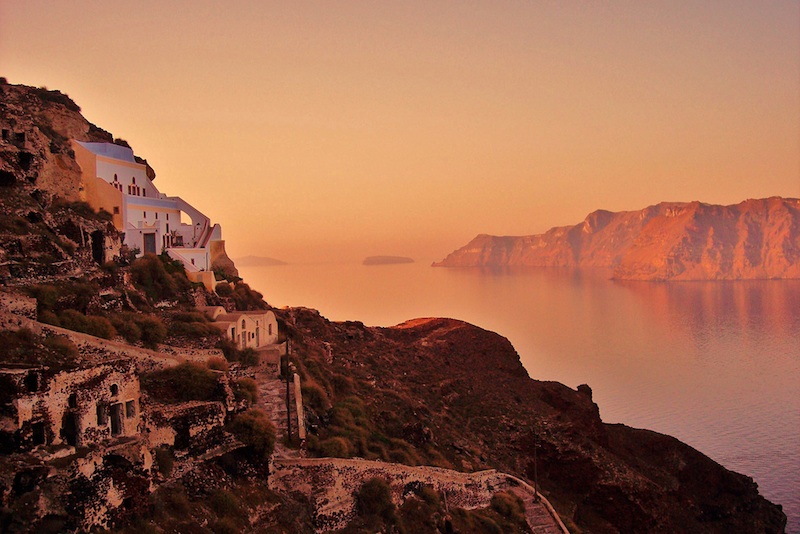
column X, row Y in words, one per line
column 386, row 260
column 258, row 261
column 755, row 239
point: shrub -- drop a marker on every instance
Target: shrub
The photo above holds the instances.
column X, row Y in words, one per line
column 509, row 506
column 254, row 429
column 336, row 447
column 246, row 389
column 89, row 324
column 127, row 328
column 61, row 345
column 246, row 298
column 153, row 330
column 224, row 289
column 24, row 346
column 160, row 277
column 315, row 397
column 374, row 497
column 186, row 382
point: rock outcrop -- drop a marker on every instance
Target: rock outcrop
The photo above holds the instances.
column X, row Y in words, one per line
column 461, row 397
column 755, row 239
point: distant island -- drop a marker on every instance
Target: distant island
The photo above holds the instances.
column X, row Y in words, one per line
column 258, row 261
column 386, row 260
column 755, row 239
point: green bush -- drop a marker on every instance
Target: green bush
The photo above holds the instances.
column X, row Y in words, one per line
column 374, row 498
column 254, row 429
column 89, row 324
column 224, row 289
column 160, row 277
column 509, row 506
column 185, row 382
column 336, row 447
column 315, row 397
column 246, row 389
column 153, row 330
column 225, row 504
column 128, row 329
column 24, row 346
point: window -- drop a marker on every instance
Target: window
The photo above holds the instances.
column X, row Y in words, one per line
column 269, row 329
column 32, row 382
column 243, row 325
column 114, row 390
column 102, row 414
column 144, row 192
column 130, row 409
column 167, row 216
column 39, row 436
column 144, row 215
column 133, row 180
column 115, row 177
column 72, row 401
column 156, row 215
column 116, row 210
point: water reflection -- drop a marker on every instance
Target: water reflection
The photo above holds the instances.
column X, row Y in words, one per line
column 715, row 364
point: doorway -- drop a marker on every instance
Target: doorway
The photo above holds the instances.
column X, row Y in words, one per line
column 116, row 419
column 149, row 243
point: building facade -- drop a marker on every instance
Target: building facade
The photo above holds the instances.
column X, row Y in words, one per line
column 152, row 222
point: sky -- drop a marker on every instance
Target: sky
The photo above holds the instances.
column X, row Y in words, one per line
column 330, row 131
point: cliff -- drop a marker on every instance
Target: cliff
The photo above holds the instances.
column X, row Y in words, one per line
column 435, row 392
column 446, row 393
column 755, row 239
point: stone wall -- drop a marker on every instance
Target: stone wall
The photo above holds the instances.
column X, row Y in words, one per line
column 330, row 485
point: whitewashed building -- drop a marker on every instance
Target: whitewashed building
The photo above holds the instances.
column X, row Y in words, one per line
column 152, row 222
column 248, row 329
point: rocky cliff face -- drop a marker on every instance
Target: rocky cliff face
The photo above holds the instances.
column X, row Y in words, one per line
column 460, row 398
column 755, row 239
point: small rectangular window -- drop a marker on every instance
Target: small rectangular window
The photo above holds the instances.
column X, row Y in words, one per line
column 144, row 215
column 39, row 435
column 116, row 210
column 167, row 216
column 130, row 409
column 156, row 215
column 102, row 415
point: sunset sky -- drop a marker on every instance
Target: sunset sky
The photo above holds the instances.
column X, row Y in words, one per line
column 328, row 131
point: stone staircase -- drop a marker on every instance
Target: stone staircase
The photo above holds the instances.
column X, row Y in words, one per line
column 272, row 399
column 539, row 518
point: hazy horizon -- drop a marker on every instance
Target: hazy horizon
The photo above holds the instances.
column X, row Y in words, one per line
column 315, row 133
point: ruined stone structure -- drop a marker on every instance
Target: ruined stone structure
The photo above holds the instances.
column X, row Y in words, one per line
column 77, row 407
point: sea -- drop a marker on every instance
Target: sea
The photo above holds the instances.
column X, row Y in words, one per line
column 715, row 364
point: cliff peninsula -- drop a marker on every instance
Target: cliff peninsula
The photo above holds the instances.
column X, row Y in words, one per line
column 755, row 239
column 148, row 392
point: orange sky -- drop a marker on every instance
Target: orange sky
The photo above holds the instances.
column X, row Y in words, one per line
column 322, row 131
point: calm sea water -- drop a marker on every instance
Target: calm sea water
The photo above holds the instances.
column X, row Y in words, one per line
column 715, row 364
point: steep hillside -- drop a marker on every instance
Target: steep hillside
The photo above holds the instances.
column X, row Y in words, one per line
column 756, row 239
column 428, row 392
column 446, row 393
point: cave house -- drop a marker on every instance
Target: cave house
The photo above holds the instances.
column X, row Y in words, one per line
column 78, row 407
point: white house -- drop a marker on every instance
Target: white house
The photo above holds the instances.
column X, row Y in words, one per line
column 248, row 329
column 152, row 222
